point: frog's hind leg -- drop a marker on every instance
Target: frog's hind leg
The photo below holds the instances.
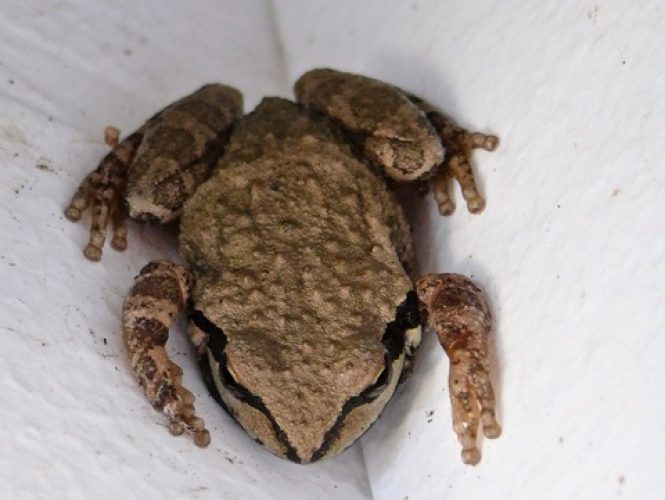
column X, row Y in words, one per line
column 457, row 310
column 459, row 144
column 160, row 290
column 104, row 188
column 151, row 174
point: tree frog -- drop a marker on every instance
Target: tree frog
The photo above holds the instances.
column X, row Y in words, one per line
column 297, row 260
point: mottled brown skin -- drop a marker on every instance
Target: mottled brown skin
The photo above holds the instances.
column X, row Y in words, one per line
column 160, row 290
column 297, row 257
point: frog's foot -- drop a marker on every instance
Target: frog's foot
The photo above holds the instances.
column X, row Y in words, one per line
column 104, row 188
column 459, row 144
column 458, row 312
column 159, row 292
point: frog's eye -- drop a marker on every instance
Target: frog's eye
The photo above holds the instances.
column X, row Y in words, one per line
column 407, row 316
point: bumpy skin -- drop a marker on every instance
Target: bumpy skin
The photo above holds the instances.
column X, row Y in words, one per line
column 289, row 273
column 300, row 298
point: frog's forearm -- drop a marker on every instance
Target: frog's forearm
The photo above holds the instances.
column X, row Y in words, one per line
column 459, row 314
column 159, row 292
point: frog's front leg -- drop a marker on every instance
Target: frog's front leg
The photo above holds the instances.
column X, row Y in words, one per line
column 457, row 310
column 151, row 173
column 159, row 292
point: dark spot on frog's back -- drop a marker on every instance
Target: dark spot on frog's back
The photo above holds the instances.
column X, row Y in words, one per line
column 172, row 142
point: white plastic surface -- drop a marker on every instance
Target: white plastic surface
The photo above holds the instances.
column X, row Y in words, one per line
column 570, row 248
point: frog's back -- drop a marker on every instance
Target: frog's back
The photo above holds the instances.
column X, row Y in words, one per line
column 295, row 262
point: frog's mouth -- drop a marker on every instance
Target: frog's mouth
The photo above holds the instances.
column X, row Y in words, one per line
column 407, row 316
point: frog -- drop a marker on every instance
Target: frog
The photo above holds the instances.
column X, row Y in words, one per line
column 297, row 272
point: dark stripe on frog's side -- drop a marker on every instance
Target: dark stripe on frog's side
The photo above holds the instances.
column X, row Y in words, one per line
column 407, row 316
column 217, row 341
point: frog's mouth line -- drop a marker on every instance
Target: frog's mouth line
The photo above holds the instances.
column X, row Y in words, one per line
column 406, row 316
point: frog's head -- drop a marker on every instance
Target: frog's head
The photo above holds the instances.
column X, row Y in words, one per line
column 302, row 399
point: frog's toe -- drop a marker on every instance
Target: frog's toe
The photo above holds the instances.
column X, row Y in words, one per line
column 491, row 428
column 92, row 252
column 182, row 417
column 484, row 141
column 471, row 456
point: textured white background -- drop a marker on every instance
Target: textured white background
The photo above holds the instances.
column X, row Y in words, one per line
column 570, row 248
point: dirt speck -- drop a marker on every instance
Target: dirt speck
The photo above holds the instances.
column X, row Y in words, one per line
column 616, row 192
column 45, row 167
column 593, row 14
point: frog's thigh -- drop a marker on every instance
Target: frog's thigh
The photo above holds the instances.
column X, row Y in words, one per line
column 394, row 132
column 171, row 163
column 459, row 313
column 159, row 292
column 180, row 146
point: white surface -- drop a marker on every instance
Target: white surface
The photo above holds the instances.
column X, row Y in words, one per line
column 570, row 247
column 73, row 423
